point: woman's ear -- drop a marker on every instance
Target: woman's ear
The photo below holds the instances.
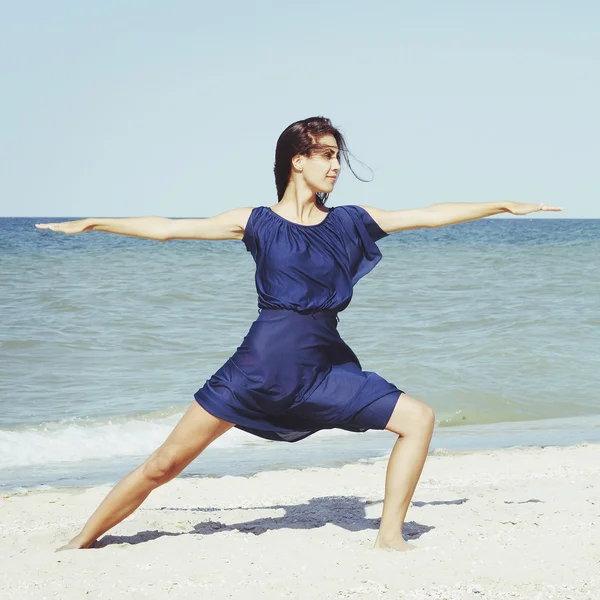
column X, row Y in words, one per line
column 298, row 162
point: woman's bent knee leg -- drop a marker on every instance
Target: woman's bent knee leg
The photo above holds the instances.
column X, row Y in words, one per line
column 411, row 417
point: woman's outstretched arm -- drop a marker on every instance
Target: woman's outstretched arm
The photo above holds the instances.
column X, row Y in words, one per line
column 449, row 213
column 228, row 225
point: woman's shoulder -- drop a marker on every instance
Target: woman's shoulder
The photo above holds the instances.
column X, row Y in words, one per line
column 242, row 216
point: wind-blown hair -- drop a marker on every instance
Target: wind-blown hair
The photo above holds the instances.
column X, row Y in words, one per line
column 301, row 138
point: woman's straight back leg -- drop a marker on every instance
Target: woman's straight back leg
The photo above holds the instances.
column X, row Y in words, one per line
column 194, row 432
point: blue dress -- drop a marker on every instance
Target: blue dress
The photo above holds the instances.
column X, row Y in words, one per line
column 293, row 375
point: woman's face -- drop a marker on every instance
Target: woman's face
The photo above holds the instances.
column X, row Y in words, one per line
column 321, row 170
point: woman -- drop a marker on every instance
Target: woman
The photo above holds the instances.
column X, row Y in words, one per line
column 293, row 374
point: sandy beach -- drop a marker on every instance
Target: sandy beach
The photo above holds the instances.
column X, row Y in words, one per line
column 514, row 523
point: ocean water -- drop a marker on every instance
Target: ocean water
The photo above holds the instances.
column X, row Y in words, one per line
column 104, row 339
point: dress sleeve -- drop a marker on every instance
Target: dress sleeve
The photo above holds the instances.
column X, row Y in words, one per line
column 364, row 253
column 373, row 230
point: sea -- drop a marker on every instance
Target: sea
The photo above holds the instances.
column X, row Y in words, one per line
column 104, row 339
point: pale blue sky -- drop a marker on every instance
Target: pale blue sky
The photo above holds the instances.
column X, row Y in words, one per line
column 174, row 108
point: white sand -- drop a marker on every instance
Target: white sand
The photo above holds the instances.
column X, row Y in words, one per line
column 518, row 523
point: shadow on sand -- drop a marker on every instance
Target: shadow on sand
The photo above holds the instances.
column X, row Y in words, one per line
column 347, row 512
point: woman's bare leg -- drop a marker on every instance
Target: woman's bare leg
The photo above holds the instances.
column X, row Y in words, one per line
column 413, row 421
column 194, row 432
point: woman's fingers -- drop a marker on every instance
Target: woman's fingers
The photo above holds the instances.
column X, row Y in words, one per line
column 66, row 227
column 52, row 226
column 523, row 208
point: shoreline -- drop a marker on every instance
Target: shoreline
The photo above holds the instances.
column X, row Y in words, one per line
column 246, row 457
column 511, row 523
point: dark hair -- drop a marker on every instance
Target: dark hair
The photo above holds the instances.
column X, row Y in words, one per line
column 301, row 138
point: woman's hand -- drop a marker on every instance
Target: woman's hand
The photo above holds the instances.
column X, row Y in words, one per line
column 522, row 208
column 68, row 227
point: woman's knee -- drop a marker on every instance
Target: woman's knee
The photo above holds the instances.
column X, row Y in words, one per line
column 411, row 416
column 162, row 465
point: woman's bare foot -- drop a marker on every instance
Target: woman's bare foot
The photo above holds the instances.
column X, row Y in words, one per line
column 76, row 544
column 393, row 544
